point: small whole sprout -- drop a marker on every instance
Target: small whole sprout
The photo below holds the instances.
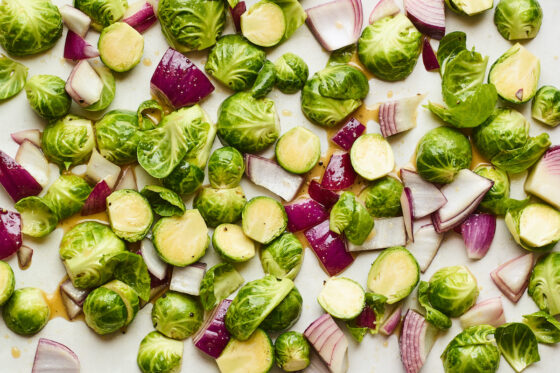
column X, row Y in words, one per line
column 518, row 19
column 159, row 354
column 177, row 316
column 47, row 96
column 283, row 257
column 546, row 105
column 453, row 290
column 286, row 314
column 219, row 206
column 185, row 179
column 7, row 282
column 27, row 311
column 382, row 197
column 291, row 73
column 472, row 350
column 291, row 351
column 225, row 168
column 117, row 135
column 67, row 195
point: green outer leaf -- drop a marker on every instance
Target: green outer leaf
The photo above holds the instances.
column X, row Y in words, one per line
column 449, row 46
column 148, row 112
column 342, row 56
column 158, row 353
column 164, row 202
column 342, row 82
column 545, row 327
column 544, row 284
column 463, row 75
column 102, row 12
column 294, row 15
column 342, row 212
column 67, row 195
column 283, row 257
column 433, row 316
column 131, row 269
column 360, row 226
column 47, row 96
column 472, row 351
column 518, row 345
column 109, row 88
column 520, row 159
column 218, row 283
column 266, row 78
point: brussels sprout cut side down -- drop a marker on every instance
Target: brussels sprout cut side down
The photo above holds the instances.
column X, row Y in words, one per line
column 26, row 312
column 453, row 290
column 225, row 168
column 176, row 315
column 283, row 257
column 253, row 355
column 543, row 285
column 130, row 214
column 286, row 314
column 47, row 96
column 518, row 19
column 472, row 351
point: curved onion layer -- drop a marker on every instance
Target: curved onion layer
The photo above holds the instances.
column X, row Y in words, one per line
column 188, row 279
column 76, row 20
column 127, row 179
column 478, row 233
column 213, row 336
column 346, row 136
column 156, row 266
column 17, row 181
column 236, row 14
column 399, row 115
column 384, row 8
column 417, row 339
column 330, row 343
column 30, row 157
column 34, row 136
column 512, row 277
column 140, row 16
column 339, row 173
column 77, row 48
column 10, row 233
column 488, row 312
column 429, row 57
column 427, row 15
column 270, row 175
column 392, row 322
column 305, row 214
column 100, row 168
column 52, row 356
column 425, row 246
column 24, row 255
column 84, row 84
column 425, row 197
column 329, row 248
column 96, row 201
column 322, row 195
column 544, row 178
column 76, row 295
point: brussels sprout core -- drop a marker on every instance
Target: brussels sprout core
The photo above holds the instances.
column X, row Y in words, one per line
column 231, row 244
column 535, row 226
column 342, row 298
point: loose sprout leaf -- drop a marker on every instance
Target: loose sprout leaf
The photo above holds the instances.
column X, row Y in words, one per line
column 545, row 327
column 12, row 77
column 164, row 202
column 342, row 56
column 462, row 76
column 472, row 351
column 518, row 345
column 450, row 46
column 520, row 159
column 433, row 316
column 544, row 285
column 131, row 269
column 149, row 113
column 294, row 15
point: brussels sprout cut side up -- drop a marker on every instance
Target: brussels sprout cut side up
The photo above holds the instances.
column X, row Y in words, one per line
column 218, row 283
column 372, row 156
column 291, row 73
column 298, row 150
column 231, row 244
column 264, row 23
column 254, row 355
column 469, row 7
column 7, row 282
column 342, row 298
column 264, row 219
column 120, row 47
column 130, row 214
column 536, row 227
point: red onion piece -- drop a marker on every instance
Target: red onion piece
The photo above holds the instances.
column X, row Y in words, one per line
column 100, row 168
column 544, row 178
column 96, row 201
column 213, row 336
column 427, row 15
column 72, row 308
column 337, row 23
column 367, row 319
column 519, row 94
column 34, row 136
column 305, row 214
column 10, row 233
column 416, row 341
column 392, row 322
column 399, row 115
column 346, row 136
column 32, row 159
column 488, row 312
column 270, row 175
column 330, row 343
column 84, row 84
column 24, row 255
column 75, row 20
column 478, row 233
column 384, row 8
column 127, row 180
column 324, row 196
column 178, row 82
column 425, row 246
column 76, row 48
column 140, row 16
column 16, row 180
column 406, row 206
column 187, row 280
column 339, row 173
column 316, row 365
column 76, row 295
column 425, row 197
column 387, row 232
column 236, row 13
column 429, row 56
column 52, row 356
column 512, row 277
column 156, row 266
column 329, row 248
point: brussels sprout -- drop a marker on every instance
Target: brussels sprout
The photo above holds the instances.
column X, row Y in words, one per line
column 67, row 195
column 27, row 311
column 259, row 229
column 291, row 73
column 342, row 56
column 520, row 159
column 110, row 307
column 291, row 351
column 536, row 226
column 286, row 314
column 518, row 345
column 390, row 47
column 349, row 216
column 131, row 269
column 47, row 96
column 516, row 75
column 472, row 350
column 433, row 316
column 130, row 214
column 163, row 201
column 118, row 134
column 544, row 284
column 231, row 244
column 283, row 257
column 29, row 27
column 253, row 303
column 264, row 23
column 68, row 141
column 200, row 139
column 218, row 206
column 342, row 298
column 158, row 354
column 265, row 81
column 12, row 77
column 294, row 15
column 469, row 7
column 382, row 198
column 341, row 212
column 462, row 75
column 7, row 282
column 149, row 114
column 218, row 283
column 518, row 19
column 441, row 153
column 102, row 12
column 184, row 179
column 546, row 106
column 116, row 55
column 85, row 251
column 38, row 218
column 176, row 315
column 225, row 168
column 333, row 93
column 235, row 62
column 496, row 200
column 248, row 124
column 545, row 327
column 190, row 25
column 298, row 150
column 453, row 290
column 253, row 355
column 109, row 88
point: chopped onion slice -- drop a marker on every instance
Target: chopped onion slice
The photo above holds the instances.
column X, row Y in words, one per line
column 17, row 181
column 384, row 8
column 544, row 179
column 322, row 195
column 76, row 20
column 337, row 23
column 34, row 161
column 24, row 255
column 84, row 84
column 488, row 312
column 387, row 232
column 31, row 135
column 268, row 174
column 346, row 136
column 236, row 14
column 406, row 206
column 339, row 173
column 512, row 277
column 99, row 168
column 127, row 179
column 429, row 56
column 425, row 246
column 478, row 233
column 75, row 294
column 392, row 321
column 425, row 197
column 329, row 248
column 72, row 309
column 96, row 201
column 76, row 48
column 427, row 15
column 140, row 15
column 10, row 233
column 52, row 356
column 417, row 339
column 213, row 336
column 398, row 116
column 305, row 214
column 156, row 266
column 330, row 343
column 188, row 279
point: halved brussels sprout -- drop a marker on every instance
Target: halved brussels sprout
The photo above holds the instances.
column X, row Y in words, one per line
column 29, row 27
column 248, row 124
column 163, row 201
column 109, row 88
column 441, row 153
column 225, row 168
column 110, row 307
column 185, row 179
column 497, row 200
column 118, row 134
column 264, row 23
column 12, row 77
column 265, row 81
column 102, row 12
column 342, row 298
column 291, row 351
column 218, row 283
column 159, row 354
column 453, row 290
column 390, row 47
column 286, row 314
column 291, row 73
column 177, row 315
column 235, row 62
column 536, row 227
column 472, row 350
column 27, row 311
column 518, row 19
column 546, row 105
column 47, row 96
column 68, row 141
column 85, row 251
column 37, row 217
column 298, row 150
column 219, row 206
column 264, row 219
column 67, row 195
column 254, row 354
column 231, row 244
column 149, row 114
column 505, row 130
column 294, row 15
column 283, row 257
column 372, row 156
column 190, row 25
column 7, row 282
column 544, row 284
column 348, row 215
column 516, row 75
column 469, row 7
column 130, row 214
column 382, row 198
column 115, row 54
column 181, row 240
